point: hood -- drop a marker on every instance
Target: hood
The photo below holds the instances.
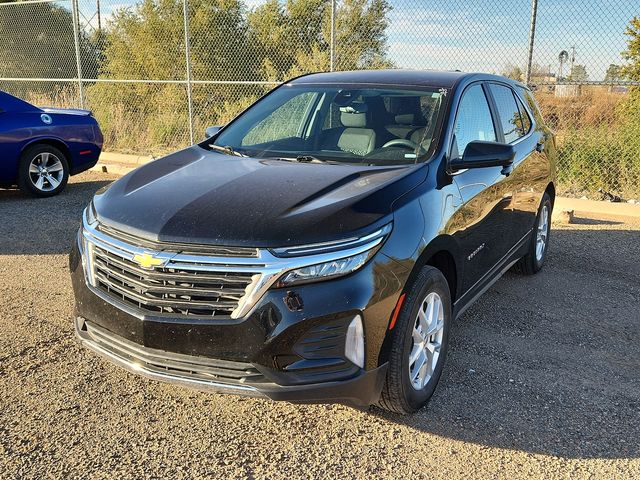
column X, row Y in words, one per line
column 202, row 197
column 66, row 111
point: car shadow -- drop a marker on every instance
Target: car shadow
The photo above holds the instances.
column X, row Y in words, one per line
column 594, row 221
column 549, row 364
column 43, row 226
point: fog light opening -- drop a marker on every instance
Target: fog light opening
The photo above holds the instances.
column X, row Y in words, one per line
column 354, row 343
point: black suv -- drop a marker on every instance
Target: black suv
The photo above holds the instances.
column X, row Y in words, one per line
column 318, row 247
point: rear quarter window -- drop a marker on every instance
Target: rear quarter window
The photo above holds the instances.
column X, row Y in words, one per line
column 531, row 102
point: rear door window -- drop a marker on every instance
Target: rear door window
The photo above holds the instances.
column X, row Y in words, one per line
column 510, row 119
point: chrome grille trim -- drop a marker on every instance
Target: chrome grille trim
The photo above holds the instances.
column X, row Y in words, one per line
column 178, row 247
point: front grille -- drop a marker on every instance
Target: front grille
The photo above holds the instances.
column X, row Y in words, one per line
column 187, row 285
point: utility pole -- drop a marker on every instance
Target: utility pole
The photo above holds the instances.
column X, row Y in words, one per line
column 99, row 19
column 532, row 35
column 75, row 17
column 332, row 47
column 187, row 50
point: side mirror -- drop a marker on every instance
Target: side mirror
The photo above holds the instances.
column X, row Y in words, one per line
column 480, row 154
column 211, row 131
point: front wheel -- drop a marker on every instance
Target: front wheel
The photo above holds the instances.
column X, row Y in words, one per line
column 43, row 171
column 419, row 344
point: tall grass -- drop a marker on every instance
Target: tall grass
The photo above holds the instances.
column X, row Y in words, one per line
column 598, row 141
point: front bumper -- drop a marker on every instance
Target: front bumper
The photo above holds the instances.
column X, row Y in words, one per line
column 224, row 377
column 276, row 352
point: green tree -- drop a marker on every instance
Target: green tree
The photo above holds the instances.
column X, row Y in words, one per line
column 146, row 42
column 294, row 37
column 578, row 74
column 631, row 70
column 36, row 41
column 512, row 71
column 632, row 54
column 613, row 74
column 361, row 34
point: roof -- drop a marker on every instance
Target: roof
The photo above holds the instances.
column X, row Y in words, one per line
column 426, row 78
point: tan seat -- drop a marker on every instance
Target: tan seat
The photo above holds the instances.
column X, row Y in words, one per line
column 355, row 138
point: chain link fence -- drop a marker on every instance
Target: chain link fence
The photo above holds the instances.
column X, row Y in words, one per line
column 157, row 72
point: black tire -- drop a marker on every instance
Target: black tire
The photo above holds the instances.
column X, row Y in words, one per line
column 25, row 177
column 530, row 263
column 398, row 393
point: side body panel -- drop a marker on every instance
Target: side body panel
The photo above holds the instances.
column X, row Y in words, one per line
column 482, row 217
column 79, row 134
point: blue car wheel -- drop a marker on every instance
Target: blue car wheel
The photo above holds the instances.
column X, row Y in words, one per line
column 43, row 171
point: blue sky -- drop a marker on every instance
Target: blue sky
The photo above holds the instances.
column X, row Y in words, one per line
column 485, row 35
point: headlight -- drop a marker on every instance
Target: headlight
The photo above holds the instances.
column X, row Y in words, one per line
column 340, row 261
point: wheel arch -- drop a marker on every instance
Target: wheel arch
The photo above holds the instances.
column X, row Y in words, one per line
column 551, row 191
column 441, row 253
column 52, row 141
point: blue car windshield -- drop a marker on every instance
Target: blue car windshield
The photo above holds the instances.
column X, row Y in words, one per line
column 330, row 123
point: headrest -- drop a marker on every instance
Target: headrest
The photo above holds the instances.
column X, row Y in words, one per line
column 354, row 115
column 405, row 119
column 358, row 120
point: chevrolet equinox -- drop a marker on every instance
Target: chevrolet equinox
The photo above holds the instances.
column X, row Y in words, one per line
column 318, row 247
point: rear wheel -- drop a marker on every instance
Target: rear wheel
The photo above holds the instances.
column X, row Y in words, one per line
column 536, row 254
column 43, row 171
column 419, row 344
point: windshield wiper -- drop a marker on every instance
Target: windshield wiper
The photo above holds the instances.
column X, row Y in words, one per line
column 305, row 159
column 226, row 149
column 308, row 159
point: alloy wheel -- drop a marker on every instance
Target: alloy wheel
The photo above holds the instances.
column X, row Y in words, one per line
column 46, row 171
column 426, row 337
column 542, row 232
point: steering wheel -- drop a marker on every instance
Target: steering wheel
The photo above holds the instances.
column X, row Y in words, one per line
column 403, row 142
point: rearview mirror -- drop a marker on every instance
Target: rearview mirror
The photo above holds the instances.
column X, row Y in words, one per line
column 480, row 154
column 211, row 131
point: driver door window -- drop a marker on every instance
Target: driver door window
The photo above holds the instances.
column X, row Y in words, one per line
column 473, row 121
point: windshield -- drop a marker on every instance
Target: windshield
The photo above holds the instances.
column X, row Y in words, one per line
column 316, row 123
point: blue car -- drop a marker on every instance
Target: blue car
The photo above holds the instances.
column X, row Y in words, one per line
column 41, row 147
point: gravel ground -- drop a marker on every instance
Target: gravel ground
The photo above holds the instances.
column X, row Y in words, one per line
column 542, row 380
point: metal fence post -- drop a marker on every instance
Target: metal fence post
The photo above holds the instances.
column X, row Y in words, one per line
column 187, row 49
column 75, row 18
column 532, row 34
column 332, row 47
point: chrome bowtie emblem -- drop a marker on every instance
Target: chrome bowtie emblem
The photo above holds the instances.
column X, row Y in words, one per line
column 147, row 260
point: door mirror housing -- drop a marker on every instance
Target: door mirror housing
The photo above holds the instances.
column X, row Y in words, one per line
column 212, row 130
column 481, row 154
